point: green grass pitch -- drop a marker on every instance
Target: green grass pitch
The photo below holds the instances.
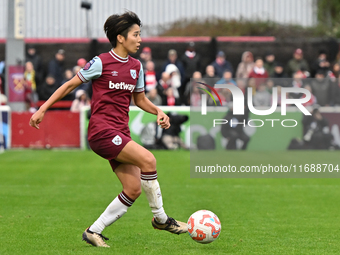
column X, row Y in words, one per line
column 48, row 198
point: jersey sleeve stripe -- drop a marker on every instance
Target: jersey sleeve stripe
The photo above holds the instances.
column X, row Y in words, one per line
column 138, row 90
column 81, row 77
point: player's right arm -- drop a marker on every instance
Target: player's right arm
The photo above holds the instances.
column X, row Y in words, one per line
column 61, row 92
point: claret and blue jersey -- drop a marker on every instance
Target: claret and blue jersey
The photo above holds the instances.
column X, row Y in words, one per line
column 114, row 79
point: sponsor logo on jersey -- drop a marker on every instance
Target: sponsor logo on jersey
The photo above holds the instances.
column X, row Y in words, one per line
column 133, row 73
column 121, row 85
column 114, row 73
column 88, row 65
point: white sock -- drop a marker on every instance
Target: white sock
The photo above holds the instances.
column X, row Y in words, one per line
column 113, row 212
column 153, row 193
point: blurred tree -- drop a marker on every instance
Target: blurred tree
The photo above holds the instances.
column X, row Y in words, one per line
column 329, row 13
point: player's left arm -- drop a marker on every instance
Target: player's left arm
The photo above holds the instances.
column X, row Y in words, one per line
column 146, row 105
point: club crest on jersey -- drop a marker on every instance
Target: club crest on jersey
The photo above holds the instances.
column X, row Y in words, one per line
column 133, row 73
column 88, row 65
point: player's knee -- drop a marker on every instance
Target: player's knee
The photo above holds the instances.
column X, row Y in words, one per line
column 149, row 163
column 134, row 193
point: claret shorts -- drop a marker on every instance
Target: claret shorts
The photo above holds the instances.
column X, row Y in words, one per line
column 108, row 144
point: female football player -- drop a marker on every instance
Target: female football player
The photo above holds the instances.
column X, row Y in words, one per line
column 116, row 77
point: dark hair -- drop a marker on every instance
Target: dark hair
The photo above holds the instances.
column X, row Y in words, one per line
column 322, row 51
column 315, row 110
column 120, row 25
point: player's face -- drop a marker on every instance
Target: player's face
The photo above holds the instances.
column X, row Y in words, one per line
column 133, row 39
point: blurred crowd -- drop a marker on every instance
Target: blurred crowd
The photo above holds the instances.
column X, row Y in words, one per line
column 176, row 81
column 263, row 73
column 41, row 81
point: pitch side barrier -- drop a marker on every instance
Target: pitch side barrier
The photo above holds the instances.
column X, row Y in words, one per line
column 60, row 129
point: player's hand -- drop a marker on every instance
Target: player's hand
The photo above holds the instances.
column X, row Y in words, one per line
column 36, row 118
column 163, row 120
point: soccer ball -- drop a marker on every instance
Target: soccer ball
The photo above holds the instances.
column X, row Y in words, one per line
column 204, row 226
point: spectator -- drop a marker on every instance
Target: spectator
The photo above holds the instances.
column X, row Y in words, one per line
column 31, row 96
column 210, row 77
column 227, row 78
column 68, row 75
column 278, row 71
column 171, row 136
column 56, row 67
column 29, row 75
column 164, row 82
column 262, row 97
column 336, row 69
column 259, row 73
column 269, row 85
column 48, row 87
column 224, row 93
column 297, row 63
column 251, row 84
column 233, row 131
column 297, row 82
column 196, row 77
column 3, row 99
column 336, row 91
column 191, row 62
column 195, row 96
column 145, row 56
column 163, row 85
column 225, row 96
column 80, row 101
column 246, row 66
column 321, row 63
column 316, row 131
column 76, row 69
column 81, row 62
column 211, row 100
column 280, row 78
column 35, row 59
column 242, row 84
column 173, row 59
column 150, row 76
column 175, row 79
column 153, row 96
column 171, row 100
column 312, row 100
column 321, row 88
column 269, row 62
column 221, row 64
